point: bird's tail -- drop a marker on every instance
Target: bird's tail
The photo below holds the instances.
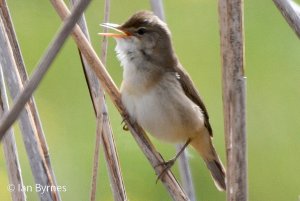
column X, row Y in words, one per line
column 217, row 172
column 205, row 148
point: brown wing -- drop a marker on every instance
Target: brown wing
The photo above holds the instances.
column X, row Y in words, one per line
column 190, row 90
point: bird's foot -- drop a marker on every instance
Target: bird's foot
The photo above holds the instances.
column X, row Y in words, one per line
column 167, row 166
column 125, row 127
column 126, row 118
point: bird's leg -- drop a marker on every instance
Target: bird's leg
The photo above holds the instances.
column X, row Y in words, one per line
column 170, row 163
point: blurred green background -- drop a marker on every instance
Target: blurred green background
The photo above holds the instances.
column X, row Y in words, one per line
column 273, row 97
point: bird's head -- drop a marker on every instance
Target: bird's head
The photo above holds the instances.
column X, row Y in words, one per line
column 144, row 36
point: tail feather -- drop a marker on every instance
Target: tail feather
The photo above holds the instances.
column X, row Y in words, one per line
column 217, row 172
column 203, row 145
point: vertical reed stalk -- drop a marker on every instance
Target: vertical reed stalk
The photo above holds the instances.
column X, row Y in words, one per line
column 234, row 97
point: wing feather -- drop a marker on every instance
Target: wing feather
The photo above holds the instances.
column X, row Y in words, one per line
column 190, row 90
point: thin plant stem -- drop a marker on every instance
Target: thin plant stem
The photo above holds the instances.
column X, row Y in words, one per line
column 96, row 157
column 10, row 151
column 291, row 12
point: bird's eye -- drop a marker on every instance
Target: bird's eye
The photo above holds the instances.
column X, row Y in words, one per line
column 141, row 31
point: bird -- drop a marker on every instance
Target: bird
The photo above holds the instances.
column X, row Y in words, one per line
column 157, row 91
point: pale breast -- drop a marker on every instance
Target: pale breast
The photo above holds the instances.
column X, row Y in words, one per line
column 165, row 111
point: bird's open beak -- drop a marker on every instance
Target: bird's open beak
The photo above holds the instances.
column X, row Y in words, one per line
column 116, row 27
